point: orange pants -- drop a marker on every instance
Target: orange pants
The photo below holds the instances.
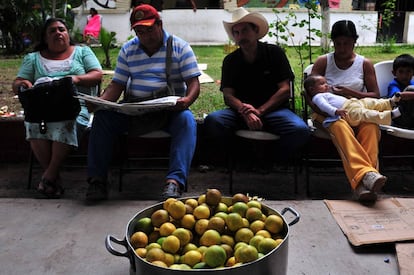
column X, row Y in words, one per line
column 358, row 147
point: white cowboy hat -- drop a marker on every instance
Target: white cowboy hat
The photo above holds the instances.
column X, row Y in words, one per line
column 241, row 15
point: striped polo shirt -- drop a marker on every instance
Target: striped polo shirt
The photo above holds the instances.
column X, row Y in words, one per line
column 148, row 74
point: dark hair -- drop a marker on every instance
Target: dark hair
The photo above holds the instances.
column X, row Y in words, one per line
column 344, row 28
column 42, row 43
column 310, row 81
column 93, row 10
column 403, row 60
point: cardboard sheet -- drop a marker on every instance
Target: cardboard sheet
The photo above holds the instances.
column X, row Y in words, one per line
column 389, row 220
column 405, row 256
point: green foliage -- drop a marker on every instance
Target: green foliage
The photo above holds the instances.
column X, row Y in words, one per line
column 282, row 30
column 387, row 39
column 107, row 40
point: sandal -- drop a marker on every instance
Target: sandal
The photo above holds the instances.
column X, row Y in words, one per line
column 50, row 189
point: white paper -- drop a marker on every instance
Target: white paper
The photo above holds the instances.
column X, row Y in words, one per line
column 132, row 108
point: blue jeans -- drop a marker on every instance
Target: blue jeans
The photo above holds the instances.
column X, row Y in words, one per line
column 291, row 129
column 108, row 125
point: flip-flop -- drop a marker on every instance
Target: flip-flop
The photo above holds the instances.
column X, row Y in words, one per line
column 50, row 190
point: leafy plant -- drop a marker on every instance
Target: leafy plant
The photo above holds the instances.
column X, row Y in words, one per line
column 282, row 30
column 388, row 41
column 107, row 39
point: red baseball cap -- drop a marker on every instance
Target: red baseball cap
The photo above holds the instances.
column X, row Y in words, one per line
column 144, row 15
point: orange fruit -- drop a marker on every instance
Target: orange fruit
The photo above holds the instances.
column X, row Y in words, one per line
column 253, row 214
column 191, row 258
column 167, row 202
column 188, row 221
column 191, row 202
column 184, row 235
column 213, row 197
column 234, row 221
column 266, row 245
column 139, row 239
column 167, row 228
column 210, row 237
column 221, row 207
column 256, row 240
column 217, row 224
column 171, row 244
column 240, row 207
column 177, row 209
column 169, row 259
column 201, row 212
column 246, row 254
column 243, row 235
column 274, row 223
column 159, row 217
column 141, row 252
column 201, row 226
column 159, row 263
column 239, row 197
column 155, row 254
column 227, row 239
column 256, row 226
column 254, row 203
column 264, row 233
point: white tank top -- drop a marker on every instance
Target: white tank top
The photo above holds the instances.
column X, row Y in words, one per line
column 352, row 78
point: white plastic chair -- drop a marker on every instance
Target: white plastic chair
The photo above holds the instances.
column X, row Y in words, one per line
column 383, row 71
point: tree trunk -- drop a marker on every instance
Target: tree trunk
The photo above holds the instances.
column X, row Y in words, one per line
column 325, row 25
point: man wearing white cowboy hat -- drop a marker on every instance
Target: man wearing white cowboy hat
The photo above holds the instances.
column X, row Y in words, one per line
column 256, row 87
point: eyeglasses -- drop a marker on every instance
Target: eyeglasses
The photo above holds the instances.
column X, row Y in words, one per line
column 144, row 31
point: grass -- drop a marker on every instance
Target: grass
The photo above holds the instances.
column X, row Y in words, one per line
column 211, row 98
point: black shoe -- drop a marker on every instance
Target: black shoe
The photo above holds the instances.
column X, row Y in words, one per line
column 171, row 190
column 97, row 190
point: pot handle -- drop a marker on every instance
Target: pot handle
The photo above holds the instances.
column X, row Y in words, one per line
column 111, row 249
column 294, row 212
column 127, row 254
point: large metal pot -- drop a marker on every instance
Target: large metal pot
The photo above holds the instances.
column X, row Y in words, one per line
column 273, row 263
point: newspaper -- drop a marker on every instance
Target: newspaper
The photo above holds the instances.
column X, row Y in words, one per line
column 131, row 108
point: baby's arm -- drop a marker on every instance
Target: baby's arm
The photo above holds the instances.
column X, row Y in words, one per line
column 341, row 112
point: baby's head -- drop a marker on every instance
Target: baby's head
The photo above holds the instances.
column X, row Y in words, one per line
column 315, row 84
column 403, row 68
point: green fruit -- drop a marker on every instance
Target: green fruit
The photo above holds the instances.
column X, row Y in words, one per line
column 215, row 256
column 144, row 225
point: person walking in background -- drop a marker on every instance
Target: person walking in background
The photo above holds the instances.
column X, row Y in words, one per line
column 352, row 75
column 56, row 57
column 403, row 71
column 93, row 26
column 353, row 110
column 256, row 88
column 140, row 70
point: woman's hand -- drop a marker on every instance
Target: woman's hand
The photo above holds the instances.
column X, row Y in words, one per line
column 21, row 83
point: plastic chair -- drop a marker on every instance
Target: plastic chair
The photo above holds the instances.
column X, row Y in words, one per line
column 383, row 71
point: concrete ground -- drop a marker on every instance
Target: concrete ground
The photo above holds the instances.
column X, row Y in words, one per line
column 67, row 236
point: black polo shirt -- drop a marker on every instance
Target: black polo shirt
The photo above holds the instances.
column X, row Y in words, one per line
column 256, row 82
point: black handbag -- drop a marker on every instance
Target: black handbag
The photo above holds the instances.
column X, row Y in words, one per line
column 50, row 102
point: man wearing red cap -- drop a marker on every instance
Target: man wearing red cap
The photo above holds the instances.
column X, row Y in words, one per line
column 140, row 70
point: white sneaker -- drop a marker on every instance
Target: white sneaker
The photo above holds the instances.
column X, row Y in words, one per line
column 374, row 181
column 364, row 195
